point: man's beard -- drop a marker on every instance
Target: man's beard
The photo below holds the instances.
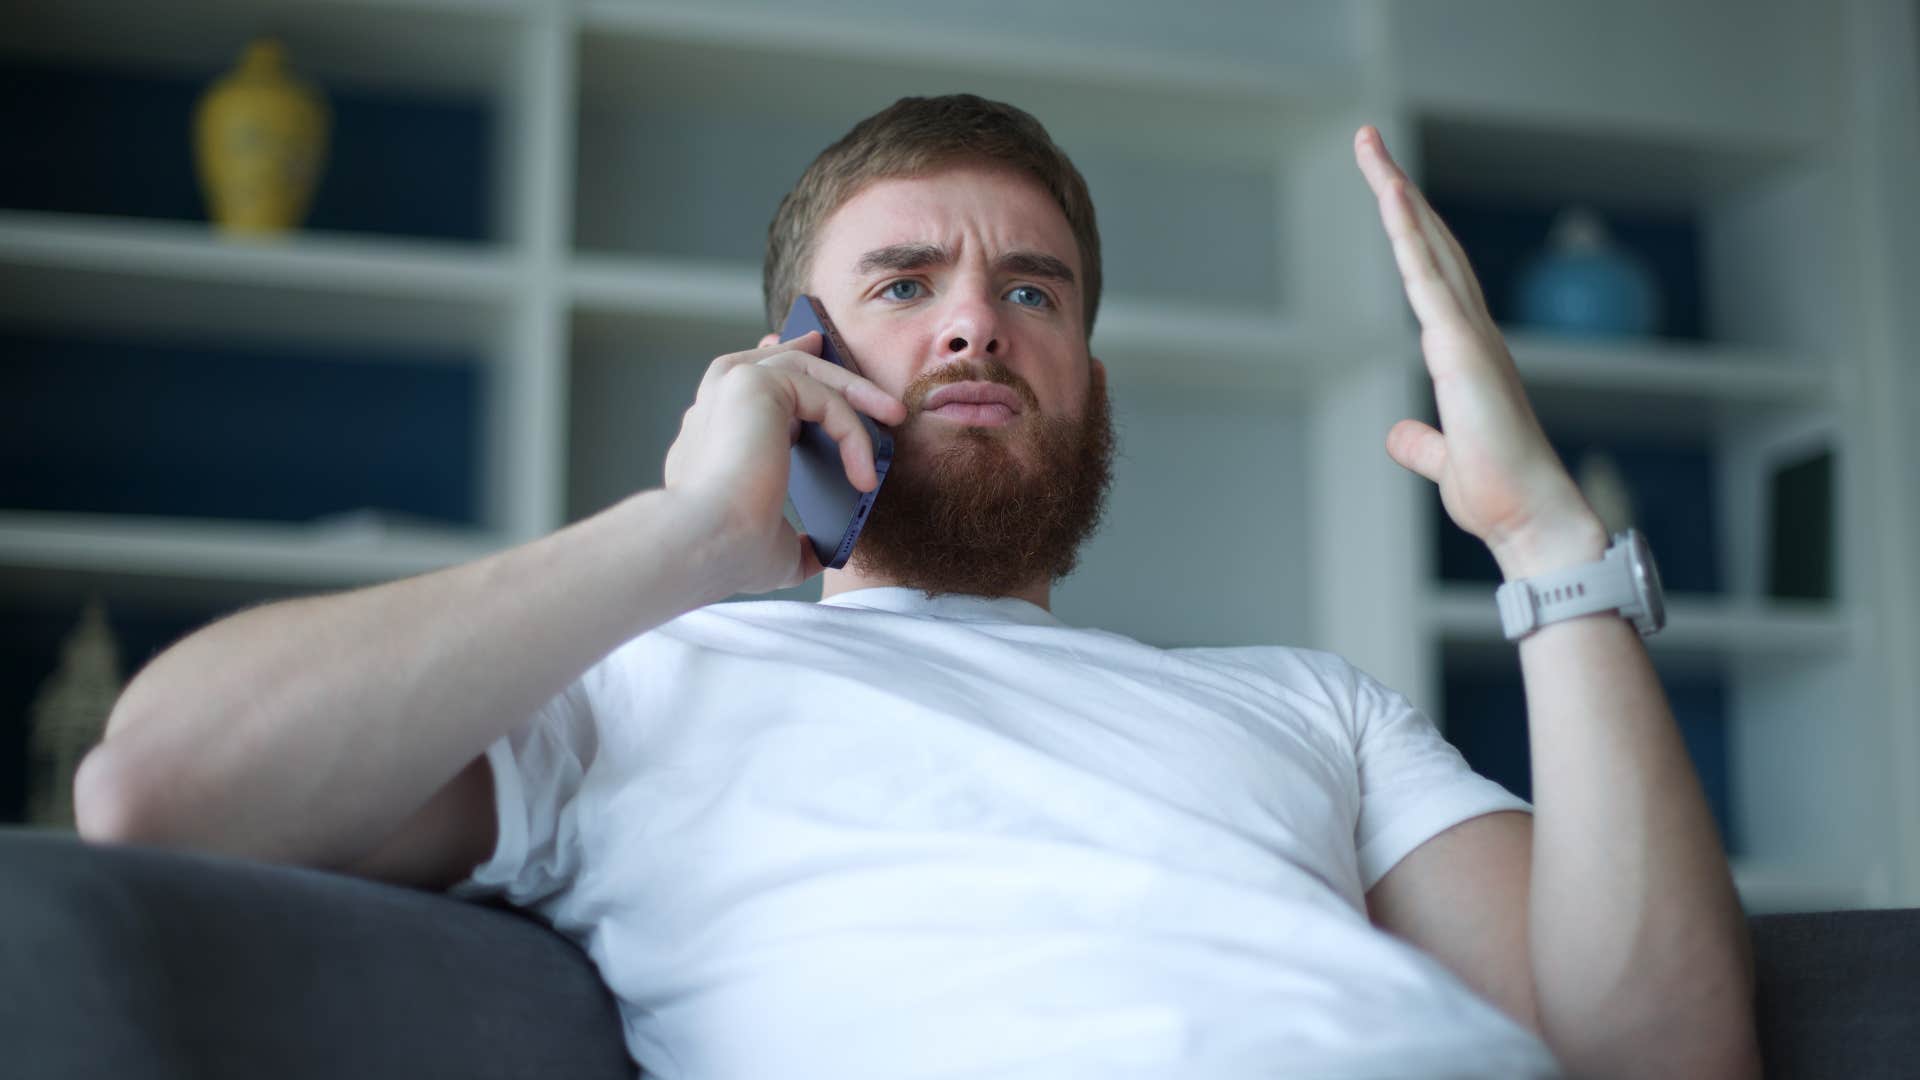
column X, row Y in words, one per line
column 964, row 512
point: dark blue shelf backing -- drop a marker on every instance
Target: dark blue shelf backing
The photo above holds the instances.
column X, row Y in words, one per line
column 1674, row 499
column 92, row 141
column 1486, row 718
column 251, row 433
column 1500, row 237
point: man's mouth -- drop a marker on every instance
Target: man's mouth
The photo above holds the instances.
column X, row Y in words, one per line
column 975, row 404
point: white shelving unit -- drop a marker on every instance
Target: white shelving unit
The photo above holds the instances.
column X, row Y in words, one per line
column 1253, row 321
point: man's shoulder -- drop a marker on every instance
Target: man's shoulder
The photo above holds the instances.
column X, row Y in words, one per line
column 1291, row 663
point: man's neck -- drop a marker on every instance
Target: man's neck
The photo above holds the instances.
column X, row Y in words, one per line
column 834, row 582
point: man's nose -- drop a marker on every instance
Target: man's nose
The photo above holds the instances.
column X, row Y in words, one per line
column 969, row 331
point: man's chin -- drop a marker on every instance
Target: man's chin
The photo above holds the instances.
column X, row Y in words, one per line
column 965, row 452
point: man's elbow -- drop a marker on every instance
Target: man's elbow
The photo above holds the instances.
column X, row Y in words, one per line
column 106, row 808
column 1722, row 1045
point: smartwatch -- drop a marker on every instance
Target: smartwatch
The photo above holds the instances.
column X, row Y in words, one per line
column 1626, row 581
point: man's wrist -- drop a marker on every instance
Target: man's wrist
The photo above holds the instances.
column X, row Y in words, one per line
column 1555, row 546
column 686, row 540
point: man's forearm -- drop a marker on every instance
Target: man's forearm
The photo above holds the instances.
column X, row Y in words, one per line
column 1640, row 950
column 306, row 731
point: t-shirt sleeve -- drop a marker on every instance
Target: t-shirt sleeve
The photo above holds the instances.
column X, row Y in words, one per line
column 538, row 770
column 1414, row 784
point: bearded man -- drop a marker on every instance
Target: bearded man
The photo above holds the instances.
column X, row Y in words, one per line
column 924, row 827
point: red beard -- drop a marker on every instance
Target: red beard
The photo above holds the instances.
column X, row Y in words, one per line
column 965, row 511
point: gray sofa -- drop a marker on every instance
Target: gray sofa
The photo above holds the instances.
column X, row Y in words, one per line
column 138, row 962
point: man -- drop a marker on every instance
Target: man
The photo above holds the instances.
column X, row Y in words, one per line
column 923, row 827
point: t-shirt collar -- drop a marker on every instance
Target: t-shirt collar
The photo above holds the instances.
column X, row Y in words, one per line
column 905, row 601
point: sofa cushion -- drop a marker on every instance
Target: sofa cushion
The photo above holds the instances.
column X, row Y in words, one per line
column 138, row 962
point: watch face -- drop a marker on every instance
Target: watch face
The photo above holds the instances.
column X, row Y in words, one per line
column 1646, row 583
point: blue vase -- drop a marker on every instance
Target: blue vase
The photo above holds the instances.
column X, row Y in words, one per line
column 1584, row 285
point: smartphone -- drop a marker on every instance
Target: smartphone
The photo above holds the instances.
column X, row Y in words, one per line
column 831, row 509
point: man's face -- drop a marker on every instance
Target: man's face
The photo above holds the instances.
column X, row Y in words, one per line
column 959, row 293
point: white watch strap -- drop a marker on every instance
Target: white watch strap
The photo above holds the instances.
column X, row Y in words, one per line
column 1530, row 603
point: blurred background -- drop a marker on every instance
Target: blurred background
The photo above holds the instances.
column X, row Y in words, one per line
column 304, row 295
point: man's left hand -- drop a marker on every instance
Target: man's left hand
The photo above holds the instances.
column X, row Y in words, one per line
column 1499, row 477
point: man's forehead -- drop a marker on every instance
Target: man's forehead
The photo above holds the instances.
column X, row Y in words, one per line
column 954, row 211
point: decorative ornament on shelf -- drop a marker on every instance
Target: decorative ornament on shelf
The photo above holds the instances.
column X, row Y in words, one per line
column 260, row 139
column 1585, row 284
column 69, row 715
column 1606, row 490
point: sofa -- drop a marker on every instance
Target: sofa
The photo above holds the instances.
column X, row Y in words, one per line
column 127, row 961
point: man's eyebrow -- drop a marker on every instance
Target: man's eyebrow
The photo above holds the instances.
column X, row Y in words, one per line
column 913, row 256
column 1035, row 264
column 903, row 257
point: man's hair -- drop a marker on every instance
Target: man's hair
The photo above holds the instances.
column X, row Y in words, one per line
column 912, row 137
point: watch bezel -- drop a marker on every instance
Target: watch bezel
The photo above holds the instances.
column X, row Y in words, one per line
column 1650, row 613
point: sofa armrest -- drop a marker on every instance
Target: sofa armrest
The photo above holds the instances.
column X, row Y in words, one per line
column 1838, row 993
column 119, row 960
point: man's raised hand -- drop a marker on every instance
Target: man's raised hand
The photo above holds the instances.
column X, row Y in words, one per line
column 1499, row 478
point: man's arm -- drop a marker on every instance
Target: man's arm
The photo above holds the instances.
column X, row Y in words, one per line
column 1634, row 943
column 310, row 730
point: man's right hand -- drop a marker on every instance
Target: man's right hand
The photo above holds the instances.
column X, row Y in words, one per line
column 730, row 461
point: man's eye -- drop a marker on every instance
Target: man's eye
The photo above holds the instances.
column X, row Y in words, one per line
column 902, row 290
column 1028, row 296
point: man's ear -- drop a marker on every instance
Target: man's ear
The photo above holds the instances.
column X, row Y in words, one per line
column 769, row 339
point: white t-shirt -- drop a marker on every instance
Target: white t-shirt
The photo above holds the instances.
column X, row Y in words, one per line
column 887, row 836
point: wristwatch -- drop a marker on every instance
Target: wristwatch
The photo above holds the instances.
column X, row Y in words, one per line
column 1626, row 580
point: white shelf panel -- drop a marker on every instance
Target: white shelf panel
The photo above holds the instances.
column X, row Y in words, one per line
column 1665, row 368
column 157, row 279
column 344, row 554
column 1769, row 888
column 1185, row 345
column 196, row 252
column 690, row 289
column 1465, row 614
column 1138, row 340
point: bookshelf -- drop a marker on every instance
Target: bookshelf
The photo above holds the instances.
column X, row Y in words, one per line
column 626, row 157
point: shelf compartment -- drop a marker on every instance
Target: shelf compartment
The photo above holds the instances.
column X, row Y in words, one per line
column 209, row 430
column 671, row 162
column 633, row 378
column 119, row 142
column 1308, row 53
column 1739, row 235
column 473, row 46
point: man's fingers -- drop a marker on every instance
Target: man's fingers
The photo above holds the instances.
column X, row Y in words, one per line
column 1376, row 164
column 816, row 401
column 1418, row 448
column 808, row 342
column 862, row 392
column 1434, row 300
column 1418, row 230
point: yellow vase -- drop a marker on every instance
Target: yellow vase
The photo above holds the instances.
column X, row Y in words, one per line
column 260, row 138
